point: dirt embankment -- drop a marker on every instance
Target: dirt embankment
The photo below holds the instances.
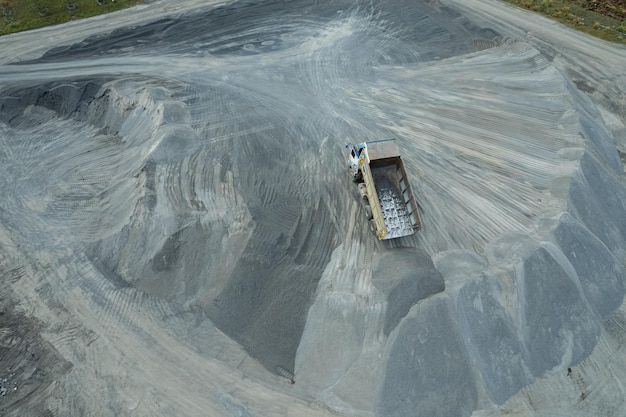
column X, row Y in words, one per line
column 612, row 8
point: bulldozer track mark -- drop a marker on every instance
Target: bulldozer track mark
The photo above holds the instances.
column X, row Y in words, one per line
column 13, row 275
column 616, row 328
column 157, row 163
column 285, row 373
column 482, row 44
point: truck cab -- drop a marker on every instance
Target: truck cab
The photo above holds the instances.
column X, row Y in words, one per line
column 353, row 160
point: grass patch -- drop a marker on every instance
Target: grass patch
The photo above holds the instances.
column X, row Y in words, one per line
column 602, row 19
column 20, row 15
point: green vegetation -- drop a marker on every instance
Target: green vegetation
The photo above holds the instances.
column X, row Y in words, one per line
column 19, row 15
column 604, row 19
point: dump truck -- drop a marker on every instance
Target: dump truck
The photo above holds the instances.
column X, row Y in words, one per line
column 378, row 171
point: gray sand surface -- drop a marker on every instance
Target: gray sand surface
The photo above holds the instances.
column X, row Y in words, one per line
column 179, row 235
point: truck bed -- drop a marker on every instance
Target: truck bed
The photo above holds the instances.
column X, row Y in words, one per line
column 395, row 214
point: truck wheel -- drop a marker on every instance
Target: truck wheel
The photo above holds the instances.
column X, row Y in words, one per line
column 368, row 211
column 372, row 226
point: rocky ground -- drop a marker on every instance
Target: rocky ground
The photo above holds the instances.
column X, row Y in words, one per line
column 179, row 235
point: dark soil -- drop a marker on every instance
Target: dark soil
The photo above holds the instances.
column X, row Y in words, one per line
column 612, row 8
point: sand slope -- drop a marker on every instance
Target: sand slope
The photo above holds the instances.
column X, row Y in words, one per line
column 179, row 236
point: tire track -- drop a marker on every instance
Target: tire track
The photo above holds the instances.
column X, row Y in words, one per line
column 478, row 143
column 257, row 100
